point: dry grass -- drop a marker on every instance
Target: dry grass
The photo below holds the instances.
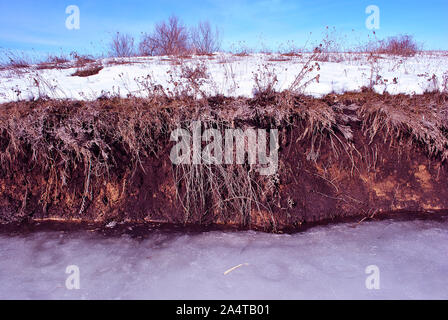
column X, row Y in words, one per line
column 301, row 81
column 85, row 144
column 80, row 60
column 103, row 139
column 14, row 61
column 20, row 62
column 265, row 81
column 445, row 82
column 54, row 62
column 210, row 190
column 424, row 123
column 88, row 70
column 60, row 137
column 282, row 58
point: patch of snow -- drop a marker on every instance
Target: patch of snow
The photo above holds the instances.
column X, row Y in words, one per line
column 232, row 75
column 111, row 225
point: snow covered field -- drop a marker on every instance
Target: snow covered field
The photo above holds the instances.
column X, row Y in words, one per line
column 232, row 75
column 324, row 263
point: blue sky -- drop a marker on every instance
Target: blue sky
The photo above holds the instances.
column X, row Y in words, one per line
column 39, row 26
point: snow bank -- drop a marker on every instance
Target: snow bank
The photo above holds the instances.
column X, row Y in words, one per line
column 232, row 75
column 324, row 263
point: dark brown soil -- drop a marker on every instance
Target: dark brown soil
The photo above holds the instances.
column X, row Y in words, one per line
column 349, row 157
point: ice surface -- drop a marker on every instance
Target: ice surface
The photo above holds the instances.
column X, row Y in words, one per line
column 324, row 263
column 232, row 75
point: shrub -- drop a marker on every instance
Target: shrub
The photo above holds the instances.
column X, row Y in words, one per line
column 265, row 82
column 402, row 45
column 168, row 38
column 203, row 39
column 122, row 45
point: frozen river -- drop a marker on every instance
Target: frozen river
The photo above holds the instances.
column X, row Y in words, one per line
column 372, row 260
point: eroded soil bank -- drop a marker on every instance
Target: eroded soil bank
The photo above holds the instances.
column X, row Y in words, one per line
column 352, row 155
